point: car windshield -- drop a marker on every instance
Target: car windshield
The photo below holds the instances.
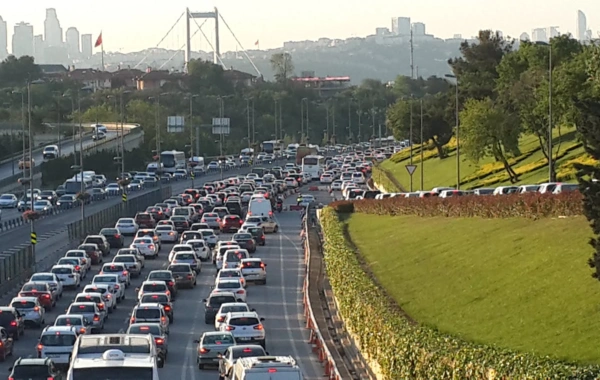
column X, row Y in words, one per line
column 228, row 285
column 23, row 304
column 218, row 339
column 154, row 288
column 185, row 256
column 58, row 340
column 144, row 313
column 159, row 276
column 79, row 309
column 62, row 270
column 242, row 236
column 219, row 300
column 234, row 309
column 68, row 322
column 247, row 352
column 36, row 287
column 159, row 298
column 141, row 329
column 244, row 321
column 6, row 197
column 180, row 268
column 42, row 277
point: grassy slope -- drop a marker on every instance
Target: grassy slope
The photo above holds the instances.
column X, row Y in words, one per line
column 443, row 172
column 514, row 283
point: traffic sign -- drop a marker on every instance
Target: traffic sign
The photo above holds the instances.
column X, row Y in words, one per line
column 33, row 238
column 192, row 174
column 411, row 169
column 124, row 197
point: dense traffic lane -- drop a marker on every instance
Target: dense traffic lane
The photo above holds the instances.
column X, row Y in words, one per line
column 49, row 225
column 279, row 302
column 66, row 147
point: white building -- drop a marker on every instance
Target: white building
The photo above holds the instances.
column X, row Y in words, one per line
column 401, row 26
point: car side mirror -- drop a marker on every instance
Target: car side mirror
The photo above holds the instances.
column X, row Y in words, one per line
column 262, row 319
column 196, row 341
column 220, row 356
column 252, row 309
column 137, row 289
column 204, row 300
column 266, row 353
column 160, row 362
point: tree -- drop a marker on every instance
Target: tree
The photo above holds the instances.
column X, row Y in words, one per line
column 486, row 130
column 283, row 66
column 17, row 71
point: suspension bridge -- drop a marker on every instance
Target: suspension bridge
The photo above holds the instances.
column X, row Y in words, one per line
column 192, row 28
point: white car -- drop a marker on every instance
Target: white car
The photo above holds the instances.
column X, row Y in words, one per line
column 201, row 248
column 152, row 287
column 230, row 307
column 209, row 236
column 81, row 254
column 8, row 201
column 42, row 205
column 326, row 178
column 67, row 275
column 118, row 269
column 57, row 343
column 336, row 185
column 127, row 226
column 133, row 265
column 291, row 182
column 113, row 280
column 52, row 280
column 231, row 285
column 146, row 246
column 231, row 273
column 166, row 233
column 76, row 262
column 108, row 294
column 177, row 248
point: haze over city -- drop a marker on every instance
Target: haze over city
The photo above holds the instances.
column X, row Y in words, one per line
column 136, row 25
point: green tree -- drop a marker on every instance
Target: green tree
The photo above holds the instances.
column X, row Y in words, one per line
column 17, row 71
column 283, row 66
column 479, row 139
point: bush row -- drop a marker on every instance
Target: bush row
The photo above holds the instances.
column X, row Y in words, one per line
column 528, row 205
column 404, row 350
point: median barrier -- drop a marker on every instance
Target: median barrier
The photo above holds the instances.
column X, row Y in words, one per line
column 16, row 267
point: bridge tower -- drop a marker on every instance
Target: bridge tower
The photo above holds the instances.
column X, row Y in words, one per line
column 188, row 43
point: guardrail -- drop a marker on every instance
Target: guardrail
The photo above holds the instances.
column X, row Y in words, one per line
column 319, row 343
column 16, row 266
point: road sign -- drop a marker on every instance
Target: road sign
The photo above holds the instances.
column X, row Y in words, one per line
column 124, row 197
column 175, row 124
column 192, row 174
column 220, row 126
column 411, row 169
column 33, row 238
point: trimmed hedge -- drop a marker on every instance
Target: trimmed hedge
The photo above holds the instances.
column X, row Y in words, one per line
column 528, row 205
column 405, row 350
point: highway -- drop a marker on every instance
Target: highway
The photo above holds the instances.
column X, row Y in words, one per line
column 279, row 302
column 67, row 147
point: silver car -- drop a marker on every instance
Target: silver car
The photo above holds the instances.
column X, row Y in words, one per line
column 188, row 258
column 80, row 322
column 53, row 281
column 161, row 337
column 212, row 219
column 90, row 311
column 30, row 308
column 211, row 345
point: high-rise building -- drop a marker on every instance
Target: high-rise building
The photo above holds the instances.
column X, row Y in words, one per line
column 22, row 40
column 401, row 26
column 418, row 28
column 553, row 32
column 581, row 28
column 3, row 39
column 524, row 37
column 86, row 46
column 38, row 49
column 52, row 30
column 539, row 35
column 72, row 39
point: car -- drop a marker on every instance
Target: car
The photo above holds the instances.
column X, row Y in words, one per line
column 113, row 189
column 189, row 235
column 152, row 286
column 231, row 307
column 68, row 275
column 127, row 226
column 56, row 286
column 254, row 270
column 50, row 152
column 161, row 298
column 246, row 241
column 212, row 220
column 151, row 312
column 108, row 293
column 90, row 311
column 93, row 251
column 80, row 254
column 8, row 201
column 246, row 327
column 231, row 223
column 96, row 298
column 210, row 345
column 31, row 310
column 201, row 249
column 231, row 273
column 160, row 335
column 42, row 291
column 113, row 236
column 233, row 257
column 12, row 320
column 149, row 233
column 208, row 235
column 81, row 324
column 167, row 233
column 228, row 359
column 146, row 247
column 258, row 233
column 336, row 185
column 181, row 223
column 232, row 285
column 145, row 220
column 57, row 343
column 118, row 269
column 42, row 206
column 76, row 263
column 177, row 248
column 100, row 241
column 131, row 263
column 111, row 279
column 184, row 274
column 35, row 368
column 188, row 258
column 268, row 223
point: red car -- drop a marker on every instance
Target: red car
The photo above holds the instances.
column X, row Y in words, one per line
column 145, row 220
column 231, row 223
column 42, row 291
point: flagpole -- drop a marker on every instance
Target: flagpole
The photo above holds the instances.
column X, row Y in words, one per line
column 102, row 47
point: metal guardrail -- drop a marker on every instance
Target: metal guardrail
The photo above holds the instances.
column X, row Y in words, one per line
column 16, row 266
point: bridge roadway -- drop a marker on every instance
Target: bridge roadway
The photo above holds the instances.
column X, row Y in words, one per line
column 279, row 302
column 48, row 225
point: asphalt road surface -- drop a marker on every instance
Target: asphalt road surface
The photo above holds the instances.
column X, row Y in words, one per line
column 50, row 224
column 67, row 147
column 279, row 302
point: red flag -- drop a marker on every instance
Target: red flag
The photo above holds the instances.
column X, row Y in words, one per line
column 99, row 40
column 256, row 43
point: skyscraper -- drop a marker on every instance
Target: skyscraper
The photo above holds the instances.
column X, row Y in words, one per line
column 3, row 39
column 72, row 39
column 418, row 29
column 524, row 37
column 539, row 35
column 38, row 49
column 52, row 30
column 401, row 26
column 86, row 46
column 22, row 40
column 581, row 28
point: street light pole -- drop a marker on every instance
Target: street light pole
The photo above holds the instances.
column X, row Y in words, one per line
column 32, row 223
column 281, row 131
column 349, row 120
column 82, row 190
column 275, row 115
column 457, row 133
column 22, row 93
column 221, row 116
column 359, row 112
column 422, row 148
column 248, row 119
column 410, row 140
column 550, row 155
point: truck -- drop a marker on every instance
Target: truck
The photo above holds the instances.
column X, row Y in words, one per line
column 305, row 150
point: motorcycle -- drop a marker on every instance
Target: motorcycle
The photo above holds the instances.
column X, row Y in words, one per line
column 279, row 206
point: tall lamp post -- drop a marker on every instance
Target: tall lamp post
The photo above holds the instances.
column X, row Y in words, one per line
column 421, row 154
column 456, row 133
column 248, row 121
column 304, row 127
column 22, row 93
column 122, row 117
column 550, row 147
column 410, row 139
column 221, row 116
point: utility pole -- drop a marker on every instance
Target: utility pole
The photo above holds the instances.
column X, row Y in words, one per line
column 421, row 140
column 32, row 223
column 248, row 119
column 275, row 115
column 82, row 189
column 280, row 123
column 221, row 116
column 333, row 123
column 412, row 61
column 253, row 124
column 349, row 120
column 410, row 140
column 359, row 112
column 302, row 120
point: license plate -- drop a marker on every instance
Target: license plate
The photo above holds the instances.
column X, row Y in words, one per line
column 244, row 339
column 53, row 355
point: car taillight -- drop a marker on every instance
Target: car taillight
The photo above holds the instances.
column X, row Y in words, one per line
column 46, row 296
column 77, row 267
column 241, row 291
column 84, row 261
column 82, row 330
column 263, row 237
column 159, row 341
column 101, row 306
column 189, row 276
column 171, row 233
column 96, row 317
column 117, row 236
column 258, row 327
column 164, row 319
column 125, row 273
column 151, row 246
column 262, row 265
column 13, row 323
column 167, row 308
column 132, row 320
column 171, row 283
column 40, row 347
column 203, row 350
column 36, row 308
column 229, row 328
column 117, row 287
column 221, row 319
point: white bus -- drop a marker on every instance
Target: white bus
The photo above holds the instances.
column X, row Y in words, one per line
column 272, row 147
column 115, row 357
column 313, row 165
column 173, row 160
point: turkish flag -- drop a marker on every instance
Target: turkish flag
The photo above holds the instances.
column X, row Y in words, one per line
column 256, row 43
column 99, row 40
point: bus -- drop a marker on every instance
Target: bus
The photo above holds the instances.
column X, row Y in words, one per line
column 272, row 147
column 173, row 160
column 313, row 165
column 73, row 186
column 115, row 357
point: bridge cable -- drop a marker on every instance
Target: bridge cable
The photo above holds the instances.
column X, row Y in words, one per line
column 239, row 43
column 160, row 42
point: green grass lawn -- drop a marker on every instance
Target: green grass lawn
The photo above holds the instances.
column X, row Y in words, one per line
column 443, row 172
column 514, row 283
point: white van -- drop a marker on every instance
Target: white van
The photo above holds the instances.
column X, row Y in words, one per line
column 153, row 167
column 99, row 128
column 50, row 152
column 267, row 368
column 259, row 206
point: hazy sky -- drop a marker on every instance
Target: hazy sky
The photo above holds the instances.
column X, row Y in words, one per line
column 130, row 25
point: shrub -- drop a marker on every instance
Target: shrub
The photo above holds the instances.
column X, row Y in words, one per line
column 528, row 205
column 404, row 350
column 343, row 207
